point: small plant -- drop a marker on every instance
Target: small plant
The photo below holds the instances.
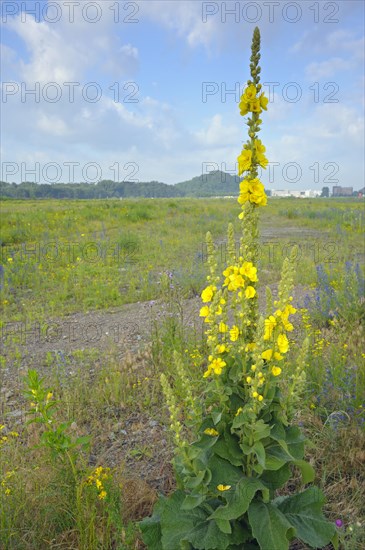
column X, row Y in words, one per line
column 246, row 445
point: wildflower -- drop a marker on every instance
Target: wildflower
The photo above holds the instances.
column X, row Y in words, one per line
column 263, row 101
column 204, row 311
column 216, row 366
column 223, row 487
column 250, row 292
column 102, row 495
column 267, row 354
column 339, row 523
column 248, row 270
column 276, row 371
column 208, row 293
column 221, row 348
column 283, row 343
column 234, row 333
column 211, row 431
column 270, row 324
column 248, row 379
column 244, row 161
column 260, row 150
column 222, row 327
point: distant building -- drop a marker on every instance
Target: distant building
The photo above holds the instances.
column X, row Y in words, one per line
column 338, row 191
column 308, row 193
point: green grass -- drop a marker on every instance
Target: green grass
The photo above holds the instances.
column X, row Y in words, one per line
column 60, row 257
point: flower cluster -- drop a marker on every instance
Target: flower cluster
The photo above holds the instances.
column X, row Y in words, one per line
column 97, row 478
column 4, row 483
column 5, row 438
column 251, row 101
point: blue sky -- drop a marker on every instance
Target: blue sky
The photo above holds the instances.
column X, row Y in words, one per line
column 160, row 73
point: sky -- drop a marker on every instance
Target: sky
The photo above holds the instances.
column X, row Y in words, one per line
column 149, row 90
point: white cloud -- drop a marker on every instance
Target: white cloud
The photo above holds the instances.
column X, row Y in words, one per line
column 217, row 133
column 326, row 69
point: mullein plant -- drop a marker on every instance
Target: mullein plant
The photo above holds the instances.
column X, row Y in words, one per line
column 245, row 445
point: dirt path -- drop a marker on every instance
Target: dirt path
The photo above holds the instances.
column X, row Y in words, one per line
column 128, row 328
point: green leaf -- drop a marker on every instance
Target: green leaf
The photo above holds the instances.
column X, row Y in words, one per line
column 194, row 481
column 151, row 528
column 276, row 457
column 192, row 526
column 276, row 479
column 216, row 417
column 308, row 473
column 238, row 500
column 269, row 526
column 260, row 453
column 295, row 441
column 228, row 448
column 192, row 501
column 224, row 525
column 304, row 512
column 261, row 430
column 223, row 472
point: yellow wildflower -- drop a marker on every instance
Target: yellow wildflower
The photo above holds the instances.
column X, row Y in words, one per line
column 208, row 293
column 204, row 311
column 222, row 327
column 211, row 431
column 276, row 371
column 267, row 354
column 283, row 343
column 244, row 161
column 250, row 292
column 263, row 101
column 234, row 333
column 270, row 324
column 223, row 487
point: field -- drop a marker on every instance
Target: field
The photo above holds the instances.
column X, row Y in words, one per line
column 97, row 295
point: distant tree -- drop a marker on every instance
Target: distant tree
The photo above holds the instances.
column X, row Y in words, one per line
column 325, row 192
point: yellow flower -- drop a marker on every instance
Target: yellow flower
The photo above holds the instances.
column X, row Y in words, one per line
column 250, row 292
column 248, row 270
column 270, row 324
column 204, row 311
column 283, row 343
column 102, row 495
column 244, row 161
column 260, row 398
column 250, row 347
column 223, row 487
column 222, row 327
column 263, row 101
column 276, row 371
column 260, row 150
column 278, row 357
column 255, row 394
column 216, row 365
column 248, row 379
column 255, row 106
column 208, row 293
column 221, row 348
column 211, row 431
column 250, row 93
column 267, row 354
column 234, row 333
column 10, row 260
